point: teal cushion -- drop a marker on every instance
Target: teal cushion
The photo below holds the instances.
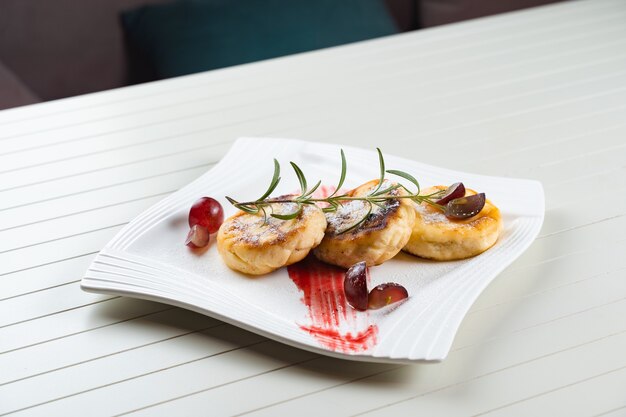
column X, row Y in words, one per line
column 198, row 35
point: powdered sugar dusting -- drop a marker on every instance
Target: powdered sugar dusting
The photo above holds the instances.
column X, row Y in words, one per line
column 349, row 213
column 258, row 229
column 352, row 211
column 431, row 215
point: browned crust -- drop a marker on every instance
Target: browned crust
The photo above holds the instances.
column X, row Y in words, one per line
column 273, row 229
column 249, row 245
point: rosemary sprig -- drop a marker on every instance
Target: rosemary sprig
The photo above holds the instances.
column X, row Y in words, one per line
column 376, row 197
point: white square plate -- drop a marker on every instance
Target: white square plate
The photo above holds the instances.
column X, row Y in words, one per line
column 148, row 259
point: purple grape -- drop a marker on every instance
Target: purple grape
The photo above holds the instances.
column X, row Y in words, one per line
column 465, row 207
column 384, row 294
column 456, row 190
column 355, row 286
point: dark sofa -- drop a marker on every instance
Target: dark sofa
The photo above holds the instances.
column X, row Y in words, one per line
column 51, row 49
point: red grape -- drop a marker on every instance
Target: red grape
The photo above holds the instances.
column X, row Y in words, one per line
column 465, row 207
column 385, row 294
column 198, row 237
column 206, row 212
column 456, row 190
column 355, row 286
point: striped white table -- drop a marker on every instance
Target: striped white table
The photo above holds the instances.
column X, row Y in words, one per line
column 536, row 94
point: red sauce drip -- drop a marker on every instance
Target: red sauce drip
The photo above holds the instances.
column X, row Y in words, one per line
column 323, row 192
column 333, row 322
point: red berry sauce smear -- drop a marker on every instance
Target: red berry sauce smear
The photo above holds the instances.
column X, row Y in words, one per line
column 335, row 324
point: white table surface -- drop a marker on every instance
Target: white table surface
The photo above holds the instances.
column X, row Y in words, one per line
column 535, row 94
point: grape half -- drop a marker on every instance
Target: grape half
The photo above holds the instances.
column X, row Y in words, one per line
column 385, row 294
column 456, row 190
column 355, row 286
column 465, row 207
column 198, row 237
